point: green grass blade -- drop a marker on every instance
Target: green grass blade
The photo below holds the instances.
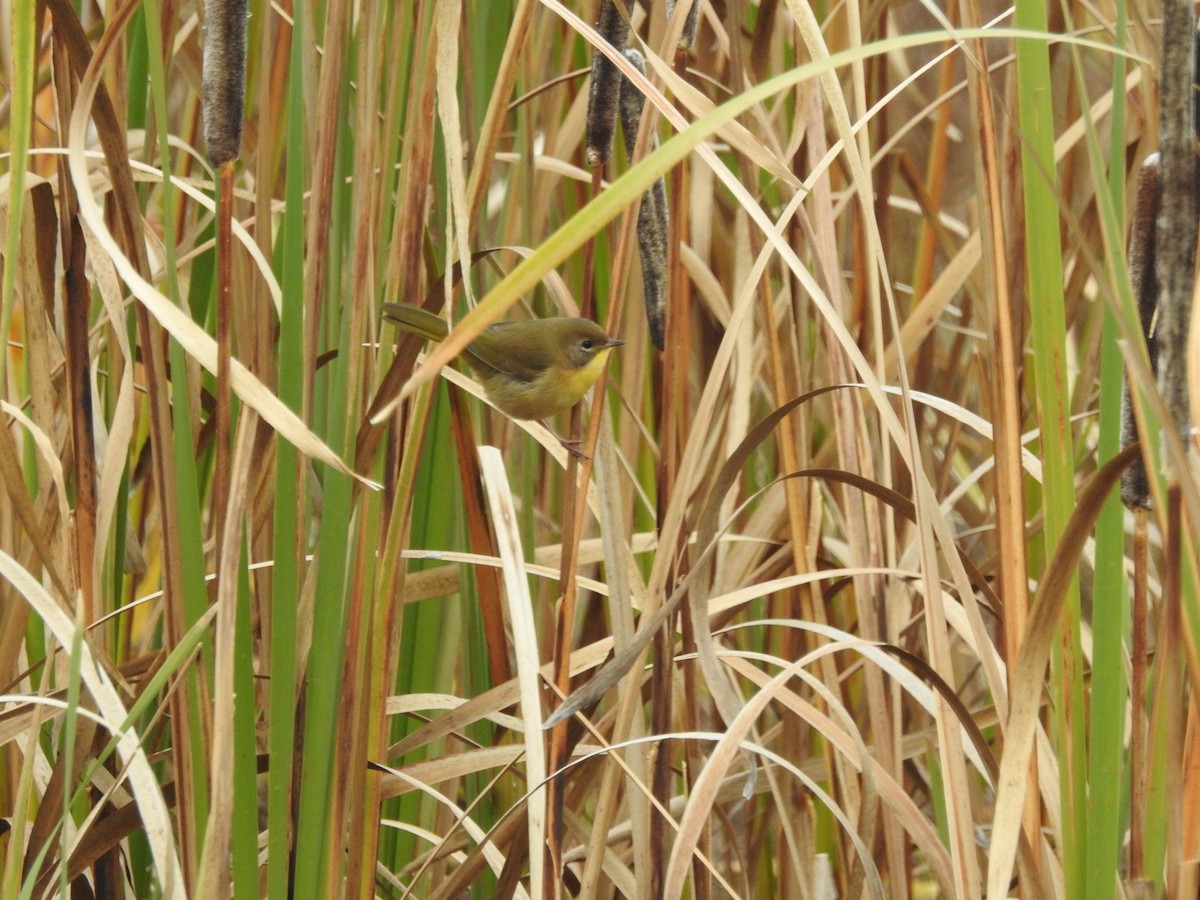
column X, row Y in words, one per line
column 1043, row 249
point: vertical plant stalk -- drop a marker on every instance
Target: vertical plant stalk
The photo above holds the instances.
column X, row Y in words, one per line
column 224, row 411
column 224, row 102
column 324, row 315
column 607, row 99
column 296, row 779
column 573, row 507
column 327, row 120
column 375, row 570
column 1043, row 255
column 215, row 864
column 1166, row 720
column 673, row 414
column 605, row 465
column 23, row 38
column 76, row 303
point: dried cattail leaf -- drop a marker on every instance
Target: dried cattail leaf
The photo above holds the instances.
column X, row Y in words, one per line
column 652, row 221
column 224, row 78
column 605, row 88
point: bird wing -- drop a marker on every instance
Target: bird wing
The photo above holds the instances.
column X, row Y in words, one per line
column 535, row 356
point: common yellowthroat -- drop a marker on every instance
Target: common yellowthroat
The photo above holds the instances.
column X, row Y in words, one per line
column 530, row 369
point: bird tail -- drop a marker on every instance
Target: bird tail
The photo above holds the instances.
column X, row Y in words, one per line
column 416, row 320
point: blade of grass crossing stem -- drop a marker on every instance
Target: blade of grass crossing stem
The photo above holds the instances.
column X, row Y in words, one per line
column 1045, row 290
column 1110, row 606
column 289, row 528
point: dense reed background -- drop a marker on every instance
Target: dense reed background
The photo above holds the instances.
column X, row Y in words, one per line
column 267, row 629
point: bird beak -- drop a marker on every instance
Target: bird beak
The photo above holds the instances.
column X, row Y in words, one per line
column 613, row 342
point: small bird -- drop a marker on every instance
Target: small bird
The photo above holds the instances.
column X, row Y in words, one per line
column 530, row 369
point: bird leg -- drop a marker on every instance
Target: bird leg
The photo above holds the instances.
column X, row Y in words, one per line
column 571, row 445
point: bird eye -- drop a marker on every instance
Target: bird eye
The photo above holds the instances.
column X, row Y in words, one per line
column 587, row 344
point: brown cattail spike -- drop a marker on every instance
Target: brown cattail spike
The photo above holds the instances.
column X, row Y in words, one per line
column 224, row 78
column 605, row 87
column 652, row 214
column 1175, row 241
column 688, row 37
column 1135, row 489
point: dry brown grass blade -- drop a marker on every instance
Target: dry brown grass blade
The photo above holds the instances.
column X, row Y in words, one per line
column 500, row 697
column 921, row 831
column 44, row 837
column 486, row 846
column 120, row 432
column 41, row 542
column 77, row 301
column 39, row 231
column 142, row 781
column 703, row 791
column 608, row 677
column 444, row 580
column 526, row 650
column 873, row 507
column 196, row 342
column 215, row 862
